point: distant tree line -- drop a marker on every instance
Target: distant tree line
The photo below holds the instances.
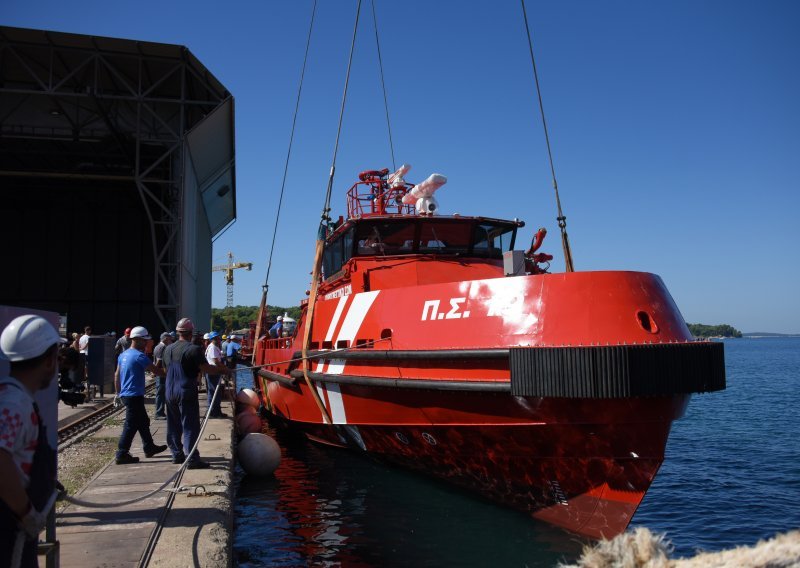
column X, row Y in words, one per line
column 723, row 330
column 241, row 316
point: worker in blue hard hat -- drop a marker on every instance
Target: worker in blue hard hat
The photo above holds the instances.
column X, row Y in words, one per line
column 27, row 462
column 214, row 357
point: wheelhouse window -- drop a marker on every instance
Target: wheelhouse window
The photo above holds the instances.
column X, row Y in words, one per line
column 463, row 237
column 385, row 238
column 444, row 238
column 491, row 239
column 337, row 253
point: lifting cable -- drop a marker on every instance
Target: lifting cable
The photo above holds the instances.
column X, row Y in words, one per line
column 562, row 220
column 322, row 234
column 327, row 208
column 265, row 288
column 383, row 84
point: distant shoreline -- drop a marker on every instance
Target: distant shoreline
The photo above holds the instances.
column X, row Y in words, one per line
column 762, row 335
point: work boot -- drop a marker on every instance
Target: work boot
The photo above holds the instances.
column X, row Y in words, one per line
column 126, row 458
column 150, row 452
column 198, row 465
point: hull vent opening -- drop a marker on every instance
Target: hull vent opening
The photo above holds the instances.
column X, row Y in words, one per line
column 617, row 371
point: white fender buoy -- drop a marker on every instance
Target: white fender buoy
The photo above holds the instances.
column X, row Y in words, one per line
column 248, row 397
column 247, row 423
column 259, row 454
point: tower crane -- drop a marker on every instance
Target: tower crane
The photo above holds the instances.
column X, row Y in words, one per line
column 228, row 270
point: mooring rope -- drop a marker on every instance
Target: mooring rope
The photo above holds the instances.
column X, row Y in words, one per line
column 562, row 220
column 93, row 505
column 322, row 233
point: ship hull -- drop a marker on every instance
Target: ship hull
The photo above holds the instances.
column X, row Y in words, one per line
column 553, row 395
column 583, row 466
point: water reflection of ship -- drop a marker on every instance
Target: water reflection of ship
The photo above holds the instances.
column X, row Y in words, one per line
column 327, row 507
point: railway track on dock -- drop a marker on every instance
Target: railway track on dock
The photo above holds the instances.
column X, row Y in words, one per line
column 83, row 425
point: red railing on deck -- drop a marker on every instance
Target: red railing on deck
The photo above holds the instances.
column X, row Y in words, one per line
column 370, row 197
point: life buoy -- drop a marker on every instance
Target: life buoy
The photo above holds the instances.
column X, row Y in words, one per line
column 373, row 175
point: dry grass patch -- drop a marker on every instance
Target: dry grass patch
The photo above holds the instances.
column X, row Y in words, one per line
column 78, row 463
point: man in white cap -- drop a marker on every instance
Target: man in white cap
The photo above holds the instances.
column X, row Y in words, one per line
column 184, row 362
column 129, row 381
column 27, row 462
column 277, row 329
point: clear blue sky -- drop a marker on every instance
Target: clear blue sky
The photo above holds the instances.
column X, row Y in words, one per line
column 675, row 128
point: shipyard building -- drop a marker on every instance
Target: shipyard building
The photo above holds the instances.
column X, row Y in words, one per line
column 116, row 173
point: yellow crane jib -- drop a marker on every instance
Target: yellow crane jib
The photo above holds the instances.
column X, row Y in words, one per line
column 228, row 270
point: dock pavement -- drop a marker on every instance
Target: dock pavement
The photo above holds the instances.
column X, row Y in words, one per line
column 190, row 523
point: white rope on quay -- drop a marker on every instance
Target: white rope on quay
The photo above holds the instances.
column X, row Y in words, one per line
column 82, row 503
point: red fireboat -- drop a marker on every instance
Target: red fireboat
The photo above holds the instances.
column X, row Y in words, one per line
column 430, row 342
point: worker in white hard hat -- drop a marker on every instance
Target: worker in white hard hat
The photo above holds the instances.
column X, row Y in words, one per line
column 129, row 381
column 214, row 357
column 27, row 462
column 232, row 352
column 277, row 329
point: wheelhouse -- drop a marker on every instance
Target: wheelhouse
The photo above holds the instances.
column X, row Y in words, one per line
column 401, row 236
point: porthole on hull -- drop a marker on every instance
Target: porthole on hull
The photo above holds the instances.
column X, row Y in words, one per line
column 646, row 322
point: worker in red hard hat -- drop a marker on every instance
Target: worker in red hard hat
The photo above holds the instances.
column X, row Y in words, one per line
column 123, row 342
column 184, row 362
column 27, row 462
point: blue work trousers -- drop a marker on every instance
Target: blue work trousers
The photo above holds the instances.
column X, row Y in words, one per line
column 161, row 397
column 211, row 385
column 136, row 420
column 183, row 421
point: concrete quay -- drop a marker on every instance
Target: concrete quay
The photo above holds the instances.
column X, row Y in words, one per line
column 189, row 523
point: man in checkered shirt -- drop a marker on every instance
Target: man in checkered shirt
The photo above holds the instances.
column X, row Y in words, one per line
column 27, row 463
column 19, row 426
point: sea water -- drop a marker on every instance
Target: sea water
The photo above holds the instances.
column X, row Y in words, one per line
column 731, row 476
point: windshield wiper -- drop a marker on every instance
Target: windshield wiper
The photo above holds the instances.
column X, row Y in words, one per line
column 377, row 243
column 435, row 236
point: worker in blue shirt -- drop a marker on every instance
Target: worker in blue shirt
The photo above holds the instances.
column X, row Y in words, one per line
column 129, row 382
column 232, row 352
column 277, row 329
column 224, row 349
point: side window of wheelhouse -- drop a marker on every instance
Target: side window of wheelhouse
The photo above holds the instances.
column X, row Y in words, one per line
column 492, row 239
column 332, row 258
column 347, row 246
column 337, row 252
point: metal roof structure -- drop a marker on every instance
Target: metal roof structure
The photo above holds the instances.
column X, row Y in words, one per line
column 95, row 114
